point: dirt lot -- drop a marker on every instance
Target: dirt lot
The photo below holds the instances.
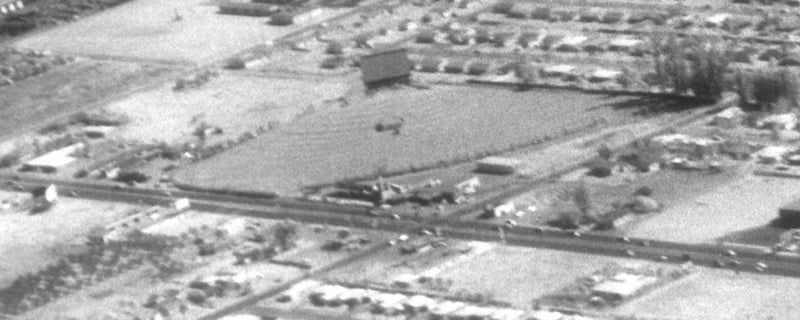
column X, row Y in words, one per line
column 32, row 241
column 744, row 204
column 147, row 29
column 440, row 124
column 234, row 102
column 720, row 294
column 29, row 103
column 519, row 275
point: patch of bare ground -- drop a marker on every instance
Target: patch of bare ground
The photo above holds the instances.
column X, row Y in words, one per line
column 66, row 89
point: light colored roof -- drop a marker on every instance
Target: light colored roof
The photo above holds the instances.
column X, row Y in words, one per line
column 418, row 301
column 57, row 158
column 572, row 40
column 605, row 74
column 625, row 42
column 546, row 315
column 241, row 317
column 499, row 161
column 507, row 314
column 623, row 284
column 729, row 113
column 559, row 69
column 447, row 307
column 718, row 18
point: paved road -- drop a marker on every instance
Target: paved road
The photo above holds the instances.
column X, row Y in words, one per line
column 703, row 254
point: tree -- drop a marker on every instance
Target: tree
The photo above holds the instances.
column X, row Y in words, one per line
column 281, row 19
column 284, row 235
column 708, row 72
column 235, row 63
column 334, row 47
column 770, row 88
column 503, row 7
column 582, row 198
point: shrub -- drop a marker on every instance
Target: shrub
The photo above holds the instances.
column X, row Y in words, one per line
column 454, row 67
column 768, row 88
column 643, row 191
column 589, row 16
column 235, row 63
column 565, row 15
column 429, row 64
column 499, row 39
column 516, row 14
column 54, row 127
column 426, row 19
column 482, row 36
column 281, row 19
column 567, row 219
column 458, row 37
column 334, row 47
column 503, row 7
column 541, row 13
column 600, row 170
column 708, row 78
column 612, row 17
column 333, row 62
column 549, row 41
column 131, row 177
column 478, row 68
column 604, row 152
column 426, row 36
column 10, row 159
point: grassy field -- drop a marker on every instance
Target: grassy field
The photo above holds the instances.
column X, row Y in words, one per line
column 235, row 103
column 29, row 242
column 721, row 294
column 440, row 124
column 147, row 29
column 68, row 88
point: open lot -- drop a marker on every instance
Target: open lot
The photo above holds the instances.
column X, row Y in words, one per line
column 147, row 29
column 746, row 203
column 441, row 124
column 30, row 242
column 519, row 275
column 236, row 103
column 80, row 84
column 721, row 294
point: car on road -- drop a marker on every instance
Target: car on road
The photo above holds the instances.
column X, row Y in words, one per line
column 624, row 239
column 718, row 263
column 729, row 253
column 760, row 266
column 663, row 258
column 630, row 253
column 733, row 263
column 644, row 243
column 510, row 224
column 576, row 234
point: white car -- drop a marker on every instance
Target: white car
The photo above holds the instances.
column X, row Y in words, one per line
column 510, row 223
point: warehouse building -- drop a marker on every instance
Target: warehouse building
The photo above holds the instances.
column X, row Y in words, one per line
column 498, row 165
